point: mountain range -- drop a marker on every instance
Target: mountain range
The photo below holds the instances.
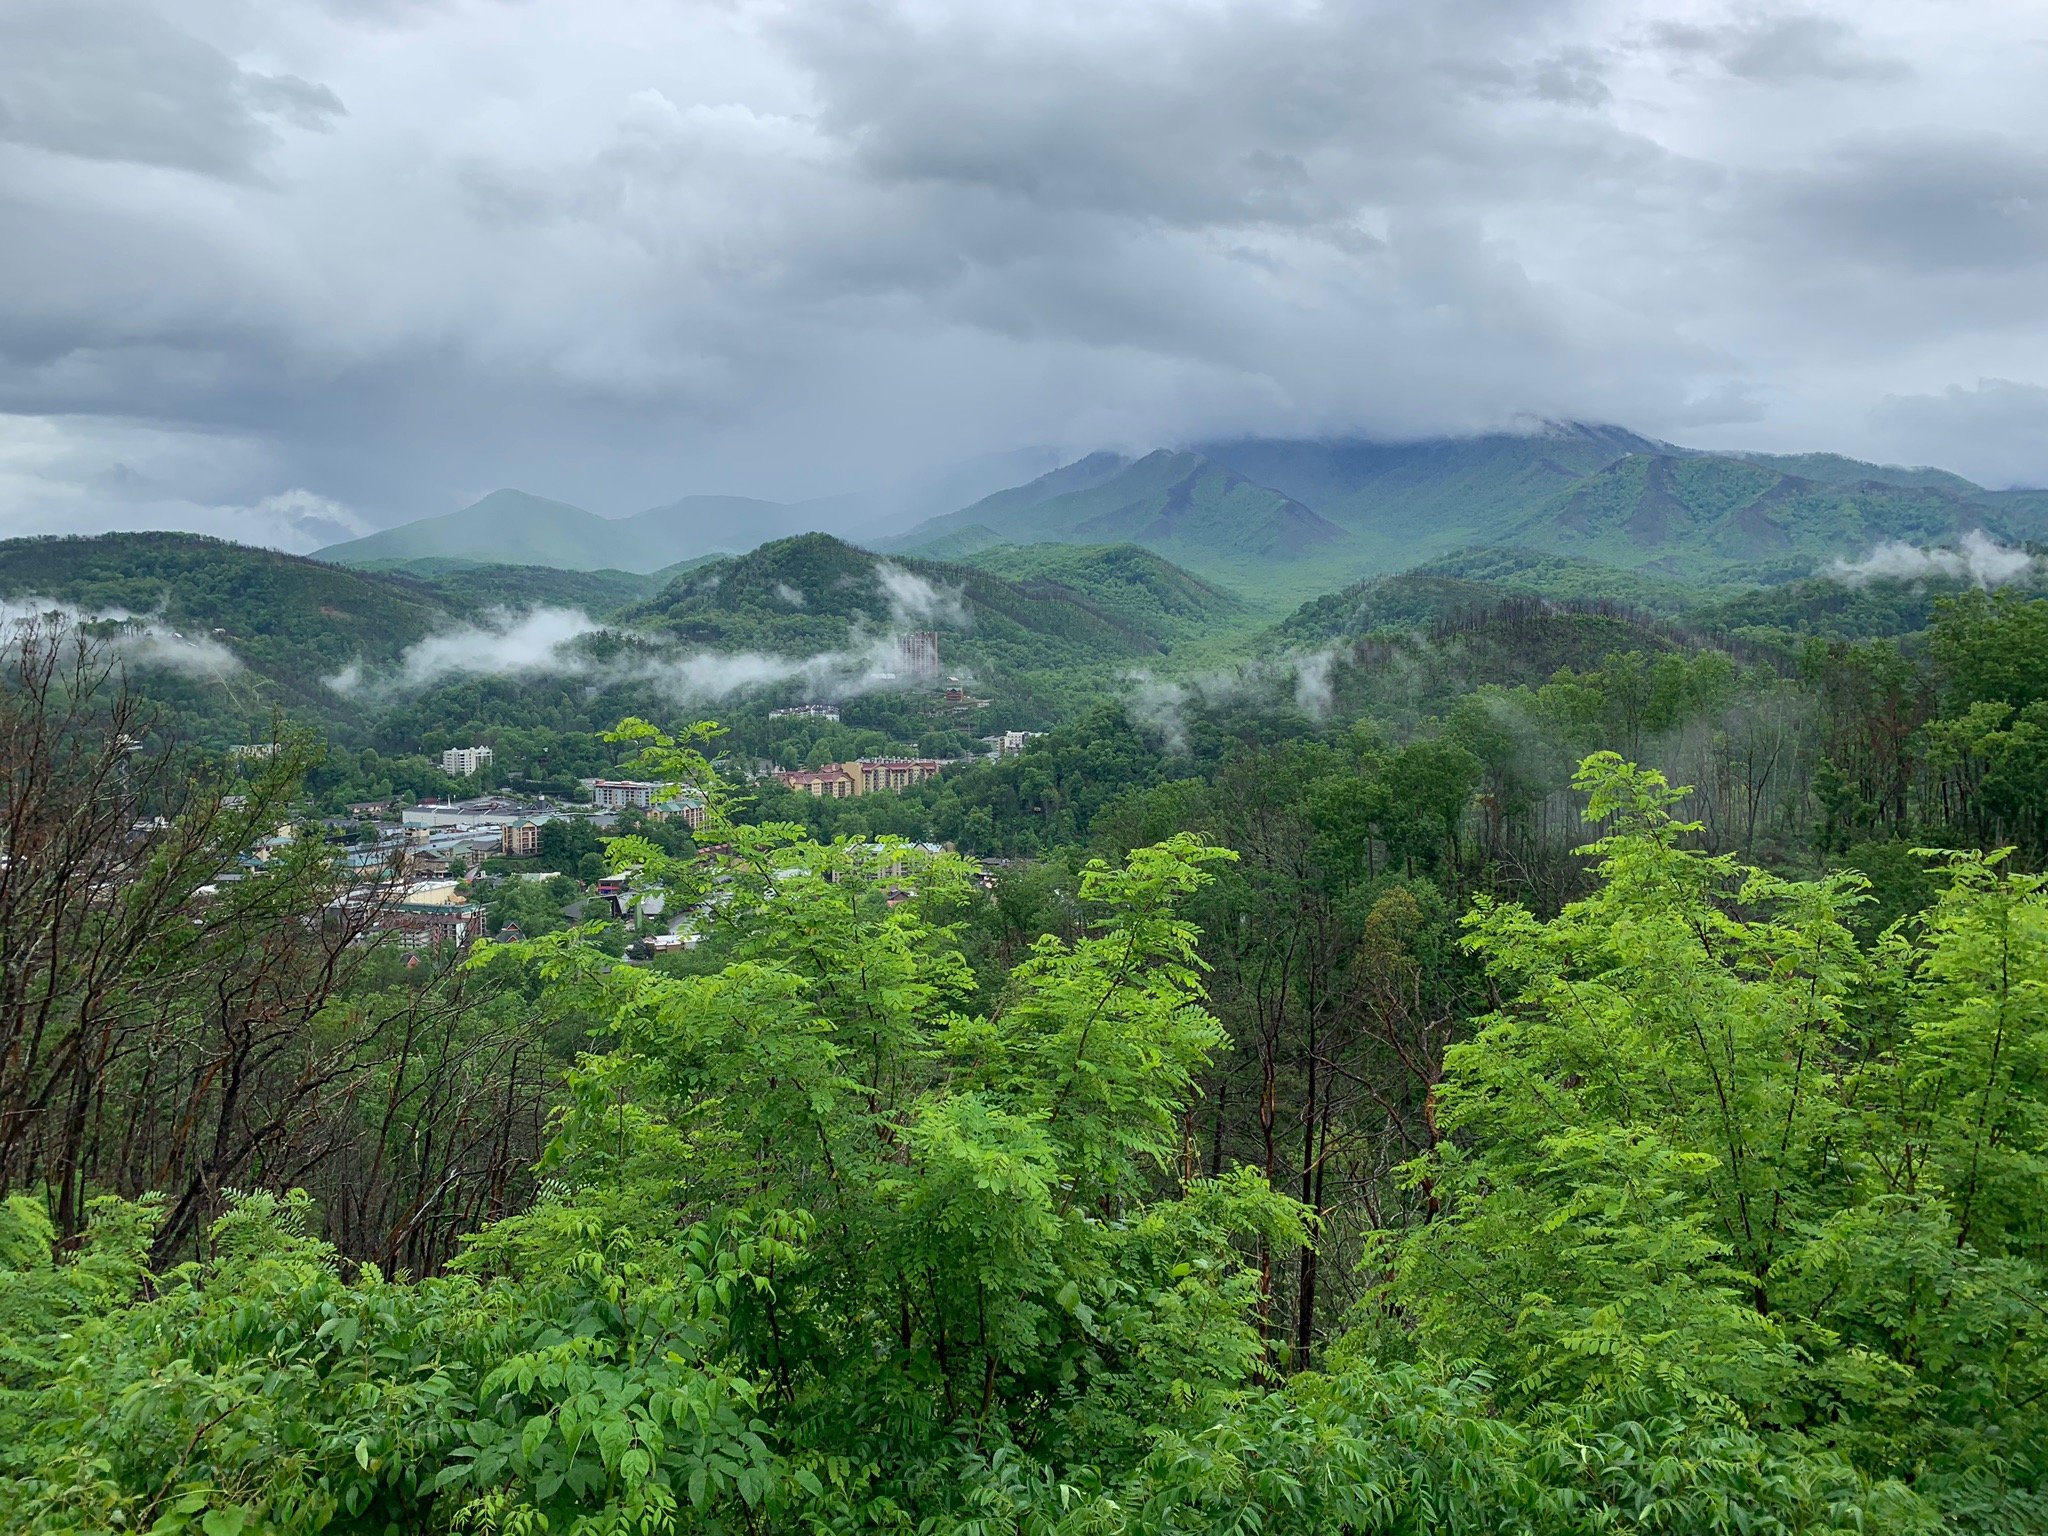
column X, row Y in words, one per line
column 511, row 527
column 1290, row 518
column 1360, row 508
column 225, row 633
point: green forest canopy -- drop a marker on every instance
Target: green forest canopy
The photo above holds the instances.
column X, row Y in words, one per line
column 1724, row 1222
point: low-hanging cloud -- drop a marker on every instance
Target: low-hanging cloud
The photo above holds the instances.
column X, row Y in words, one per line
column 1304, row 680
column 138, row 639
column 914, row 600
column 560, row 642
column 1977, row 557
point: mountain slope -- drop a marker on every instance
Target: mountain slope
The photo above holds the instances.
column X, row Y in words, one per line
column 1468, row 581
column 1185, row 506
column 1704, row 515
column 816, row 594
column 287, row 620
column 505, row 528
column 474, row 587
column 1414, row 490
column 1834, row 469
column 1124, row 580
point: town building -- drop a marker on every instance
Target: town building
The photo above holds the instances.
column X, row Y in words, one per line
column 486, row 811
column 806, row 712
column 419, row 915
column 520, row 840
column 253, row 751
column 877, row 774
column 832, row 782
column 433, row 912
column 464, row 762
column 618, row 794
column 1009, row 743
column 868, row 776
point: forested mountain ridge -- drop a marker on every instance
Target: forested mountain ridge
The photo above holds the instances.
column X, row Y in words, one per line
column 1278, row 517
column 477, row 585
column 289, row 621
column 1182, row 505
column 507, row 527
column 1396, row 489
column 1702, row 516
column 1470, row 580
column 1126, row 580
column 1604, row 492
column 816, row 593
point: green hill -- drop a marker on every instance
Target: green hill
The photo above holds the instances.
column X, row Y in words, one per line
column 289, row 621
column 1425, row 491
column 1191, row 509
column 1124, row 580
column 505, row 528
column 471, row 585
column 1470, row 581
column 1839, row 610
column 1704, row 516
column 1570, row 578
column 1834, row 469
column 815, row 594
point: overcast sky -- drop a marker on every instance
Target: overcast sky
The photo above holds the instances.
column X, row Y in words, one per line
column 358, row 261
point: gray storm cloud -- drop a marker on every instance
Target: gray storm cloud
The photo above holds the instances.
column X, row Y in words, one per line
column 623, row 252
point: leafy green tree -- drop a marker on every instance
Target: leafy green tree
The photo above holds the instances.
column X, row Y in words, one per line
column 1713, row 1157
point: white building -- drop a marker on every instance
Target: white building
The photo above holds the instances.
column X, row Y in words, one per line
column 1009, row 743
column 463, row 762
column 617, row 794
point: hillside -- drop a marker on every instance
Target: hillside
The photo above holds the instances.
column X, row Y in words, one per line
column 1469, row 581
column 471, row 585
column 959, row 544
column 1571, row 578
column 1430, row 489
column 1834, row 469
column 505, row 528
column 815, row 594
column 1189, row 508
column 1124, row 580
column 288, row 620
column 1841, row 610
column 1704, row 515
